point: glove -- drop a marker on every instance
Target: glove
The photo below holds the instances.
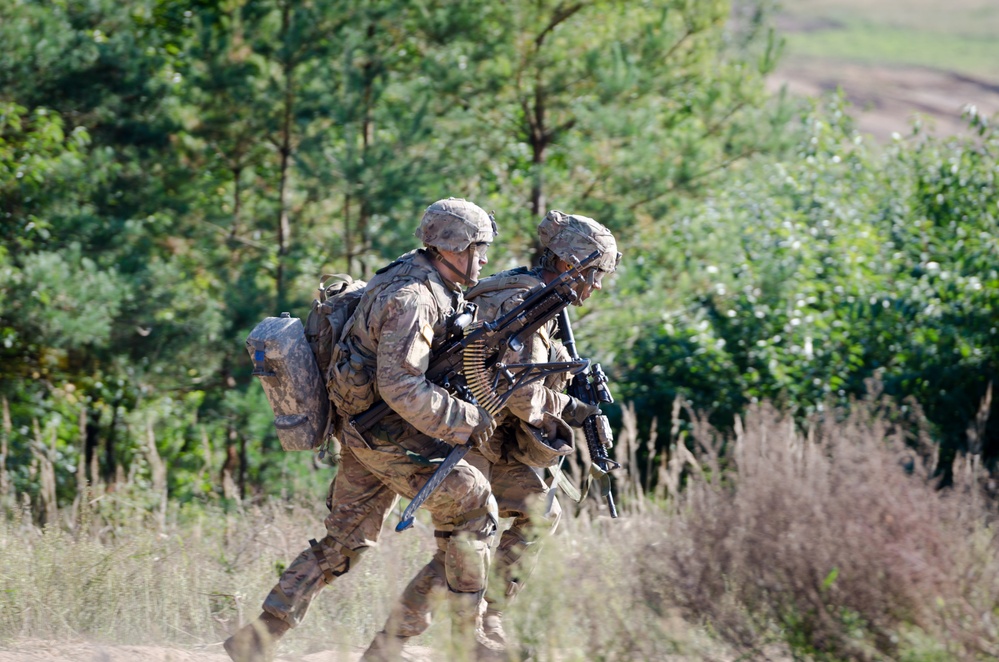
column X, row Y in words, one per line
column 484, row 430
column 578, row 411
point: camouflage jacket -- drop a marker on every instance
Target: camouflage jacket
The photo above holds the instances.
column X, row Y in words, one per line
column 399, row 322
column 536, row 403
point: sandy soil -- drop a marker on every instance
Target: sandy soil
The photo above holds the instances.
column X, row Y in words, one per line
column 886, row 99
column 50, row 651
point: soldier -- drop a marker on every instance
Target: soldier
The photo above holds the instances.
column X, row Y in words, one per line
column 384, row 354
column 532, row 434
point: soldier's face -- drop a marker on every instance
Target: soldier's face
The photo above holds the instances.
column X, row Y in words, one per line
column 592, row 280
column 468, row 262
column 475, row 258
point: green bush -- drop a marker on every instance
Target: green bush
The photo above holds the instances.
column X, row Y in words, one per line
column 840, row 263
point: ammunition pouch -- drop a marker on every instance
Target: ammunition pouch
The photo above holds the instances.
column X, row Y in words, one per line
column 537, row 447
column 351, row 380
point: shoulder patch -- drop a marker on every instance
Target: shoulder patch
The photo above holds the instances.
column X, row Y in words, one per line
column 427, row 332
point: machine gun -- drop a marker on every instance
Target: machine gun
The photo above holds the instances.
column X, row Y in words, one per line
column 461, row 365
column 590, row 386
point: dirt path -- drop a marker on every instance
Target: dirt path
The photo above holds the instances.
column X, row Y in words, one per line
column 52, row 651
column 886, row 99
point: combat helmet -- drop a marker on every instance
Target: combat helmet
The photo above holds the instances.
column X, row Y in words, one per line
column 572, row 235
column 455, row 224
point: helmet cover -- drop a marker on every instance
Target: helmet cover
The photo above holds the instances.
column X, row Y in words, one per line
column 454, row 224
column 572, row 235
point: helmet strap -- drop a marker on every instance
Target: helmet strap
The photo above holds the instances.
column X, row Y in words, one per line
column 467, row 278
column 472, row 256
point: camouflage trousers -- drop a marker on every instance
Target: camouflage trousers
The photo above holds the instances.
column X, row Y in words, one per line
column 522, row 494
column 366, row 488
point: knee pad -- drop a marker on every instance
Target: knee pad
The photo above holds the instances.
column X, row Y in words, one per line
column 481, row 522
column 466, row 564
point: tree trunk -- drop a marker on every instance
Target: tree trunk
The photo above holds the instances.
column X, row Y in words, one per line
column 4, row 449
column 539, row 141
column 284, row 224
column 367, row 139
column 237, row 201
column 111, row 473
column 348, row 237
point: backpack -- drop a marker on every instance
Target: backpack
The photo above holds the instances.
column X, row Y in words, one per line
column 292, row 362
column 325, row 324
column 330, row 314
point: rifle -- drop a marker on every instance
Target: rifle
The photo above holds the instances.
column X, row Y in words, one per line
column 590, row 386
column 470, row 352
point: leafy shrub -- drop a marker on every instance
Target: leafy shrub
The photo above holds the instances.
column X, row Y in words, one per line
column 837, row 264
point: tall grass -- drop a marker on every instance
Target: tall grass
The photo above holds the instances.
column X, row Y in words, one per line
column 835, row 542
column 828, row 543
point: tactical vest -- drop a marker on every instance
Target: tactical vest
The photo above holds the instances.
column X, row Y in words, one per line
column 351, row 377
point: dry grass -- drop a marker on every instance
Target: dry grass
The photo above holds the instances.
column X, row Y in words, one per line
column 835, row 541
column 828, row 544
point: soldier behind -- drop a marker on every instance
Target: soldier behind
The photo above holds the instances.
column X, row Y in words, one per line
column 384, row 354
column 531, row 435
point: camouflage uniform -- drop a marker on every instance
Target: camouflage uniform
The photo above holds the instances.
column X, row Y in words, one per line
column 385, row 353
column 408, row 310
column 515, row 457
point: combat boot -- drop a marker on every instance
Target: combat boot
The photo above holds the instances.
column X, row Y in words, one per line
column 487, row 650
column 492, row 626
column 256, row 641
column 467, row 631
column 385, row 648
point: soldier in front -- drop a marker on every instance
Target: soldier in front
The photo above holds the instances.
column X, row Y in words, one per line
column 532, row 434
column 384, row 354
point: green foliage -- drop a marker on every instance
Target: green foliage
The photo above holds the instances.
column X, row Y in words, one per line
column 833, row 267
column 173, row 172
column 947, row 37
column 170, row 173
column 62, row 300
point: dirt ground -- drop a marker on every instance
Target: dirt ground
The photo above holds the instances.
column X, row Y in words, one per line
column 886, row 99
column 50, row 651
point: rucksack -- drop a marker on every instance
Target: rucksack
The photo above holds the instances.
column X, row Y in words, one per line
column 338, row 297
column 292, row 362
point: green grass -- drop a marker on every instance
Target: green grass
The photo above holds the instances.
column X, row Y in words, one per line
column 958, row 35
column 954, row 17
column 872, row 43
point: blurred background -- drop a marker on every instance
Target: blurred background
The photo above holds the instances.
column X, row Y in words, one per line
column 895, row 61
column 802, row 338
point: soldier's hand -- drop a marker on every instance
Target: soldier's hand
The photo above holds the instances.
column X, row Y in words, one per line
column 484, row 430
column 578, row 411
